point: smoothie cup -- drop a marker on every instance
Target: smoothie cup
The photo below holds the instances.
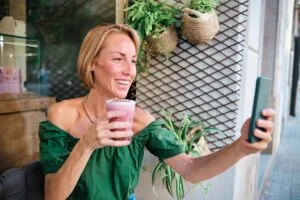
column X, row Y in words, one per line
column 126, row 105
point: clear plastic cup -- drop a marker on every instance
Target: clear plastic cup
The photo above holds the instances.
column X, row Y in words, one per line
column 126, row 105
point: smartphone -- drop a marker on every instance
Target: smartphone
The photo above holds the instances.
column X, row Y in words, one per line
column 261, row 99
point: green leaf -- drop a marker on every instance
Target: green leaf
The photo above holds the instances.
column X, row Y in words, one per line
column 149, row 17
column 203, row 6
column 155, row 171
column 181, row 187
column 169, row 180
column 182, row 130
column 185, row 125
column 195, row 153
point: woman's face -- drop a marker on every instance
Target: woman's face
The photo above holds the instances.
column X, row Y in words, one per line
column 115, row 66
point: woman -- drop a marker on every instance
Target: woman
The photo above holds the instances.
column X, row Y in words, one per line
column 84, row 159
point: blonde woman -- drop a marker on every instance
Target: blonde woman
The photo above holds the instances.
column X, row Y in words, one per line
column 83, row 159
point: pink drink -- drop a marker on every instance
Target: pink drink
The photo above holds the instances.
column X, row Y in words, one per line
column 128, row 106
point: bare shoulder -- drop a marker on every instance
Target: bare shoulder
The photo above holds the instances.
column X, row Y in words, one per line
column 142, row 119
column 63, row 114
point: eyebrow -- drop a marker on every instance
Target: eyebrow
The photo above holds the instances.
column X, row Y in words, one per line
column 118, row 52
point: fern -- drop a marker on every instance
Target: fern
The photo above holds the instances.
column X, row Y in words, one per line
column 203, row 6
column 149, row 18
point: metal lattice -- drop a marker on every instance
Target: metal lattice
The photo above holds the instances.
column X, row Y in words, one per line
column 202, row 80
column 61, row 25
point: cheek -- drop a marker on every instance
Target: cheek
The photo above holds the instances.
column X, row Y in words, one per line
column 111, row 69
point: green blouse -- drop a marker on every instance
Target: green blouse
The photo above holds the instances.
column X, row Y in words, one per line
column 111, row 173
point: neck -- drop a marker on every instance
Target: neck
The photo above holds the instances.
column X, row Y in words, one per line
column 95, row 104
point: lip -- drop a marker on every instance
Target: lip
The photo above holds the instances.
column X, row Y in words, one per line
column 123, row 81
column 122, row 84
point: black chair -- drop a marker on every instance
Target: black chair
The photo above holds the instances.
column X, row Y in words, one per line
column 26, row 183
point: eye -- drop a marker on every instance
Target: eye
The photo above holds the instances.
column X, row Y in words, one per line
column 133, row 61
column 117, row 59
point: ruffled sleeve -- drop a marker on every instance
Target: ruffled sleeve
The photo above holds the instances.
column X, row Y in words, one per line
column 55, row 146
column 162, row 142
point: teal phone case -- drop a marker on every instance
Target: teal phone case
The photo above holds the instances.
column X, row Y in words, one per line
column 261, row 99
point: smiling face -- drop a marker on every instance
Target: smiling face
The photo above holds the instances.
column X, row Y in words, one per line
column 115, row 66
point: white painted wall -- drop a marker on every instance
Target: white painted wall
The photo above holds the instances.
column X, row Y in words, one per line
column 246, row 170
column 240, row 182
column 283, row 67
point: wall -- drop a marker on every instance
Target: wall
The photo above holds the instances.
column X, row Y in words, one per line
column 283, row 66
column 204, row 80
column 273, row 58
column 246, row 170
column 17, row 9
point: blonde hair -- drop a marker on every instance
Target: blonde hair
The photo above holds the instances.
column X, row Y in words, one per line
column 92, row 44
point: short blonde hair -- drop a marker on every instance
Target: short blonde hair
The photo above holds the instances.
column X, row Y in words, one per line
column 92, row 44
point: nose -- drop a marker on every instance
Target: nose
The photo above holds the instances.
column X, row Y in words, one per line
column 129, row 68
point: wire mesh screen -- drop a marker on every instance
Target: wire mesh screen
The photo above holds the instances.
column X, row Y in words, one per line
column 61, row 26
column 201, row 80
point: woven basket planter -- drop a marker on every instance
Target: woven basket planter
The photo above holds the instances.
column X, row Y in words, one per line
column 164, row 44
column 199, row 27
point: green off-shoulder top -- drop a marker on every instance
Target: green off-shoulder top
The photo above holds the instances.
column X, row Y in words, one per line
column 111, row 173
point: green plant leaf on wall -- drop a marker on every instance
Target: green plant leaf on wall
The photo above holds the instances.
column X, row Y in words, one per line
column 203, row 6
column 149, row 18
column 188, row 132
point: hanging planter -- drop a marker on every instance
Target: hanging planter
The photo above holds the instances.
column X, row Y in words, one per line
column 200, row 22
column 164, row 43
column 154, row 21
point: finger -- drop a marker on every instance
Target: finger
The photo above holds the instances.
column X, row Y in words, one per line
column 268, row 113
column 118, row 143
column 113, row 114
column 118, row 134
column 119, row 125
column 258, row 146
column 268, row 125
column 262, row 135
column 101, row 120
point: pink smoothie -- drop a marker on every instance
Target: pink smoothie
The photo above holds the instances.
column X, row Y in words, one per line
column 128, row 106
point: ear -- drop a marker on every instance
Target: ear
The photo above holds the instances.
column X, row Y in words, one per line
column 93, row 66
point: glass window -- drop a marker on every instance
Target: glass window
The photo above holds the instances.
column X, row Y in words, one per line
column 61, row 26
column 39, row 45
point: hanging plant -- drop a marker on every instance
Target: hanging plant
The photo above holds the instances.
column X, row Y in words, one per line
column 200, row 22
column 154, row 22
column 190, row 133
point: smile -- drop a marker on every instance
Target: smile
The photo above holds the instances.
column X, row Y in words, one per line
column 123, row 82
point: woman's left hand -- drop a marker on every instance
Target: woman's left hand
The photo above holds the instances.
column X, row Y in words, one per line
column 265, row 136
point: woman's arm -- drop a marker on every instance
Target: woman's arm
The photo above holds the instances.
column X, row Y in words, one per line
column 199, row 169
column 60, row 184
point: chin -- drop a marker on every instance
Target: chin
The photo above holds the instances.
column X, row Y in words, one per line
column 121, row 95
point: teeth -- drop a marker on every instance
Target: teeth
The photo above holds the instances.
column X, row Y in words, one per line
column 123, row 82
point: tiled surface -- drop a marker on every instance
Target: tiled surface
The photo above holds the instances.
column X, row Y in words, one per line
column 283, row 182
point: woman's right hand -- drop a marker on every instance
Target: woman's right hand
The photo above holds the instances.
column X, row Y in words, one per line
column 100, row 134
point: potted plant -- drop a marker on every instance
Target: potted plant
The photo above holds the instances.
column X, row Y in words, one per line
column 190, row 133
column 154, row 21
column 199, row 21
